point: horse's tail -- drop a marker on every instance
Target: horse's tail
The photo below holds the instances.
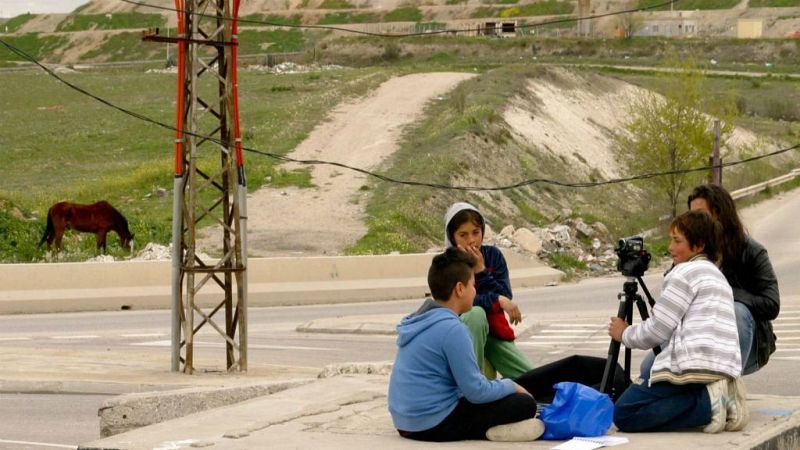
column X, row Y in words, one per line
column 49, row 230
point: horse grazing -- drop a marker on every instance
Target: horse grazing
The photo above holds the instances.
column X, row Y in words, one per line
column 98, row 218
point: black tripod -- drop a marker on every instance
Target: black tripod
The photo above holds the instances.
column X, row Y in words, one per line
column 627, row 297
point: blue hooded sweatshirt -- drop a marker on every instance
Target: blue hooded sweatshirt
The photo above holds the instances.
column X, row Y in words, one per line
column 435, row 367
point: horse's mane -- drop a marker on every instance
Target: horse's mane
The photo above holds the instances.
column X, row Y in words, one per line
column 119, row 215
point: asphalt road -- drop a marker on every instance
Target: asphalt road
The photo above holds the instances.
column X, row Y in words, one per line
column 561, row 320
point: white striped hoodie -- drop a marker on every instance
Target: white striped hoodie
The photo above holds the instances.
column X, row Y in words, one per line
column 695, row 316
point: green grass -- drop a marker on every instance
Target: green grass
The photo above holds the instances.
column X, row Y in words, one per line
column 13, row 24
column 113, row 21
column 546, row 8
column 59, row 145
column 292, row 40
column 543, row 8
column 336, row 4
column 405, row 14
column 294, row 19
column 127, row 46
column 33, row 44
column 347, row 17
column 566, row 263
column 773, row 3
column 690, row 5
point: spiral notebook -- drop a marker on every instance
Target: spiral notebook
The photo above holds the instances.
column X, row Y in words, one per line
column 591, row 443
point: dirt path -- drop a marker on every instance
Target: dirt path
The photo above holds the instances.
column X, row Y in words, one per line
column 329, row 218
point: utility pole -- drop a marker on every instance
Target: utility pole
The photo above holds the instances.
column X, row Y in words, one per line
column 716, row 161
column 209, row 186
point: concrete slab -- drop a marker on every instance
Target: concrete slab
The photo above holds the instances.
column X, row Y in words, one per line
column 349, row 411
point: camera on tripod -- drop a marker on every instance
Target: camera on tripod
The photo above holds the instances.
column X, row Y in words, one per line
column 633, row 258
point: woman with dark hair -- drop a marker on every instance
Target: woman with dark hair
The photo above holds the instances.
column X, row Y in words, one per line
column 746, row 266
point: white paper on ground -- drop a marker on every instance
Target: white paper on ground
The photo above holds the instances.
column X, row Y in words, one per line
column 591, row 443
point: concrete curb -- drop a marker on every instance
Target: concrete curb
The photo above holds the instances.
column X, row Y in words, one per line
column 131, row 411
column 73, row 287
column 349, row 411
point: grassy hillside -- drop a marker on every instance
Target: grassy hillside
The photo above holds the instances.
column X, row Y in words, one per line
column 57, row 144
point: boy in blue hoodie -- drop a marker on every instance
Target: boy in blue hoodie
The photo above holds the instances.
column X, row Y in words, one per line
column 436, row 392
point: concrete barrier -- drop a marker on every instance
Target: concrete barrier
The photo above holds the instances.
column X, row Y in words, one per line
column 756, row 188
column 96, row 286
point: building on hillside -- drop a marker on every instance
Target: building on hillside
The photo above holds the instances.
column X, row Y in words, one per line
column 750, row 28
column 502, row 29
column 675, row 26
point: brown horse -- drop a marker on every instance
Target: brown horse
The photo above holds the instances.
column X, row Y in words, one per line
column 98, row 218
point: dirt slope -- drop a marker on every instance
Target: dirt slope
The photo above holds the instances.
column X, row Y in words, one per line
column 329, row 218
column 569, row 115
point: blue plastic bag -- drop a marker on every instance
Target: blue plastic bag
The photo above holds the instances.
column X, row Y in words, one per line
column 577, row 410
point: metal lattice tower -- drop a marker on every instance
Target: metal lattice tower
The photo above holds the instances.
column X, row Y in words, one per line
column 209, row 185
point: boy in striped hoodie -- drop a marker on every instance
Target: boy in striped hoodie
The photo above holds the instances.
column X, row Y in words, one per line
column 695, row 380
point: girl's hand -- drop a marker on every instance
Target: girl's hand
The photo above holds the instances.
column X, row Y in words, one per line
column 514, row 314
column 616, row 327
column 480, row 264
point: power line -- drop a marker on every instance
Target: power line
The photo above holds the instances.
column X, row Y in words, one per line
column 386, row 178
column 399, row 35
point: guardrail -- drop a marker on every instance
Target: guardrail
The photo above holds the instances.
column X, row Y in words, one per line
column 756, row 188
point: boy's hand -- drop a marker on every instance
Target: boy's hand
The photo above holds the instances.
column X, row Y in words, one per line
column 521, row 390
column 616, row 327
column 480, row 264
column 514, row 314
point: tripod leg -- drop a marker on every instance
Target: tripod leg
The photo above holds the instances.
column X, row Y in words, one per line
column 606, row 385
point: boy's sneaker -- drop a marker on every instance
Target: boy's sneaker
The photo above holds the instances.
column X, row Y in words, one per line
column 738, row 413
column 523, row 431
column 718, row 397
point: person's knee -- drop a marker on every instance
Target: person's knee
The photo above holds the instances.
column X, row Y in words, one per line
column 625, row 418
column 475, row 319
column 525, row 405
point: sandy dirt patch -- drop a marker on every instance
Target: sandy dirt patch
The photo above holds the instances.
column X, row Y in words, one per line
column 362, row 133
column 566, row 123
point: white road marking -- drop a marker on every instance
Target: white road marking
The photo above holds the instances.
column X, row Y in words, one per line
column 87, row 336
column 165, row 343
column 15, row 339
column 40, row 444
column 142, row 335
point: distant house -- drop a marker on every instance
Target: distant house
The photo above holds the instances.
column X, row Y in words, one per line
column 750, row 28
column 503, row 29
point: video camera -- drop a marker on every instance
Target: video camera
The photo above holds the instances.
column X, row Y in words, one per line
column 633, row 258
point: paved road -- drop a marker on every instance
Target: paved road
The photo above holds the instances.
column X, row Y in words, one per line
column 560, row 321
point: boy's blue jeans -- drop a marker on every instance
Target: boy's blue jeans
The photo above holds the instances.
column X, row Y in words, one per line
column 662, row 407
column 746, row 326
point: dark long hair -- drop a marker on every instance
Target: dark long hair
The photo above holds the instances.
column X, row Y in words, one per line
column 723, row 209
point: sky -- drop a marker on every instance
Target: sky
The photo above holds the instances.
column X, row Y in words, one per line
column 11, row 8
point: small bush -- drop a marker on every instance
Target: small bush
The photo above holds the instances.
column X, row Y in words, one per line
column 391, row 51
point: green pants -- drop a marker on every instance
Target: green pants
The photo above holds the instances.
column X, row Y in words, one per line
column 493, row 353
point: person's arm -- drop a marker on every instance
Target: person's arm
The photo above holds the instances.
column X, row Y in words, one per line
column 676, row 296
column 761, row 297
column 493, row 281
column 461, row 358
